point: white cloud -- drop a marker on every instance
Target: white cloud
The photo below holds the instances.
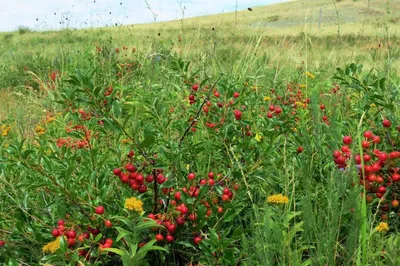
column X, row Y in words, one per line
column 47, row 14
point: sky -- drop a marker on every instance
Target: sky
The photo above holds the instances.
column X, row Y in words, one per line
column 59, row 14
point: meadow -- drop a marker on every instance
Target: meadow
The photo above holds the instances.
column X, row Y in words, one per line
column 267, row 136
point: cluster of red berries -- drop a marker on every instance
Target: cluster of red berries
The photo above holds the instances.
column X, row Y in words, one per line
column 73, row 143
column 108, row 91
column 378, row 170
column 73, row 239
column 174, row 219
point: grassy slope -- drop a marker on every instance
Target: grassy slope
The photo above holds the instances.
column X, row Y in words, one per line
column 287, row 35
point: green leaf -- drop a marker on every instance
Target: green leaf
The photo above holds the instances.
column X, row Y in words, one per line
column 116, row 251
column 116, row 108
column 148, row 141
column 122, row 233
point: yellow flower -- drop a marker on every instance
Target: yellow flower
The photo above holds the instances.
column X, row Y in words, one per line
column 52, row 246
column 39, row 130
column 303, row 86
column 258, row 137
column 5, row 130
column 373, row 105
column 134, row 204
column 125, row 141
column 382, row 227
column 300, row 104
column 267, row 98
column 278, row 199
column 187, row 167
column 50, row 119
column 294, row 129
column 310, row 75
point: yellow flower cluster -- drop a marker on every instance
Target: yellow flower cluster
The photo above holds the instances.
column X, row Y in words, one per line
column 5, row 130
column 300, row 104
column 258, row 137
column 278, row 199
column 382, row 227
column 39, row 130
column 52, row 246
column 125, row 141
column 134, row 204
column 267, row 98
column 310, row 75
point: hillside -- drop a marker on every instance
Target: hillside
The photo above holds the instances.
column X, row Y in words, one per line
column 283, row 33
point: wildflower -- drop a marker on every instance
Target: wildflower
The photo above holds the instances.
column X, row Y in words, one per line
column 278, row 199
column 134, row 204
column 39, row 130
column 303, row 86
column 5, row 130
column 310, row 75
column 258, row 137
column 187, row 167
column 267, row 98
column 300, row 104
column 373, row 105
column 382, row 227
column 125, row 141
column 294, row 129
column 52, row 246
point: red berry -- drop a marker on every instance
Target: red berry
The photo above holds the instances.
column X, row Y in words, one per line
column 159, row 237
column 367, row 158
column 99, row 210
column 2, row 243
column 211, row 175
column 139, row 178
column 336, row 154
column 142, row 189
column 171, row 228
column 225, row 197
column 368, row 134
column 108, row 223
column 130, row 168
column 191, row 176
column 177, row 195
column 217, row 94
column 55, row 233
column 376, row 139
column 160, row 179
column 180, row 220
column 365, row 144
column 381, row 189
column 71, row 242
column 197, row 240
column 169, row 238
column 236, row 94
column 383, row 156
column 300, row 149
column 117, row 171
column 195, row 87
column 71, row 234
column 395, row 177
column 149, row 178
column 386, row 123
